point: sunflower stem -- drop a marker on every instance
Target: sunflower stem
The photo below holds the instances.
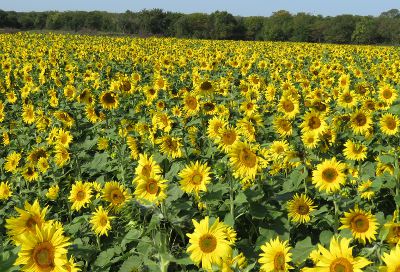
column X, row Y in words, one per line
column 336, row 213
column 231, row 199
column 98, row 242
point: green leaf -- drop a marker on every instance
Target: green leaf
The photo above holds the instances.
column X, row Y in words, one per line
column 132, row 235
column 131, row 264
column 104, row 257
column 325, row 237
column 302, row 250
column 228, row 220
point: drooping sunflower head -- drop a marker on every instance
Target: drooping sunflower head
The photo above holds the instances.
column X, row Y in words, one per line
column 275, row 256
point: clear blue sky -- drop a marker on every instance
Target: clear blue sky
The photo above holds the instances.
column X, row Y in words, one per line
column 236, row 7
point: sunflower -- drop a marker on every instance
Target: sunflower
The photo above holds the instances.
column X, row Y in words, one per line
column 310, row 139
column 29, row 173
column 28, row 114
column 191, row 104
column 339, row 258
column 65, row 118
column 313, row 121
column 71, row 266
column 300, row 208
column 195, row 177
column 228, row 136
column 43, row 250
column 170, row 146
column 80, row 195
column 329, row 175
column 5, row 190
column 27, row 220
column 362, row 224
column 151, row 189
column 133, row 147
column 361, row 122
column 109, row 100
column 282, row 126
column 275, row 256
column 208, row 245
column 101, row 221
column 289, row 107
column 389, row 124
column 387, row 94
column 244, row 161
column 347, row 99
column 36, row 154
column 355, row 151
column 147, row 167
column 393, row 236
column 52, row 192
column 12, row 162
column 61, row 156
column 64, row 138
column 116, row 194
column 392, row 260
column 278, row 149
column 43, row 165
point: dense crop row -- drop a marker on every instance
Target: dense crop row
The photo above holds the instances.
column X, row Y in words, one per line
column 123, row 154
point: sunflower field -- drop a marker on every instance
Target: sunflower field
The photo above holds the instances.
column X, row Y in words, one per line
column 159, row 154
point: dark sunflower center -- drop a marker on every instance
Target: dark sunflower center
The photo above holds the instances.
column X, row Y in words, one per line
column 248, row 158
column 360, row 223
column 303, row 209
column 360, row 119
column 80, row 195
column 108, row 98
column 390, row 123
column 32, row 222
column 228, row 137
column 152, row 92
column 208, row 243
column 103, row 221
column 279, row 261
column 209, row 106
column 126, row 85
column 348, row 98
column 206, row 86
column 387, row 94
column 43, row 255
column 152, row 187
column 197, row 178
column 314, row 122
column 341, row 265
column 191, row 103
column 329, row 175
column 288, row 106
column 117, row 197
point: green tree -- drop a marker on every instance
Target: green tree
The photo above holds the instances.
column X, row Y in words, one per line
column 365, row 31
column 279, row 26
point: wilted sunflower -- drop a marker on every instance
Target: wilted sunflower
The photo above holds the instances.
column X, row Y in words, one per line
column 195, row 177
column 116, row 194
column 5, row 190
column 300, row 208
column 389, row 124
column 109, row 100
column 329, row 175
column 80, row 195
column 362, row 224
column 43, row 250
column 339, row 258
column 208, row 245
column 244, row 161
column 100, row 221
column 28, row 219
column 151, row 189
column 355, row 151
column 275, row 256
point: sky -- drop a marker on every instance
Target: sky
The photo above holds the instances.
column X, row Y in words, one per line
column 236, row 7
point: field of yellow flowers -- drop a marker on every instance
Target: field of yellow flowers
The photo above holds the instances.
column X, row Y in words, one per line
column 127, row 154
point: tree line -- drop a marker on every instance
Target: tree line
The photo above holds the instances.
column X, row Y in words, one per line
column 280, row 26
